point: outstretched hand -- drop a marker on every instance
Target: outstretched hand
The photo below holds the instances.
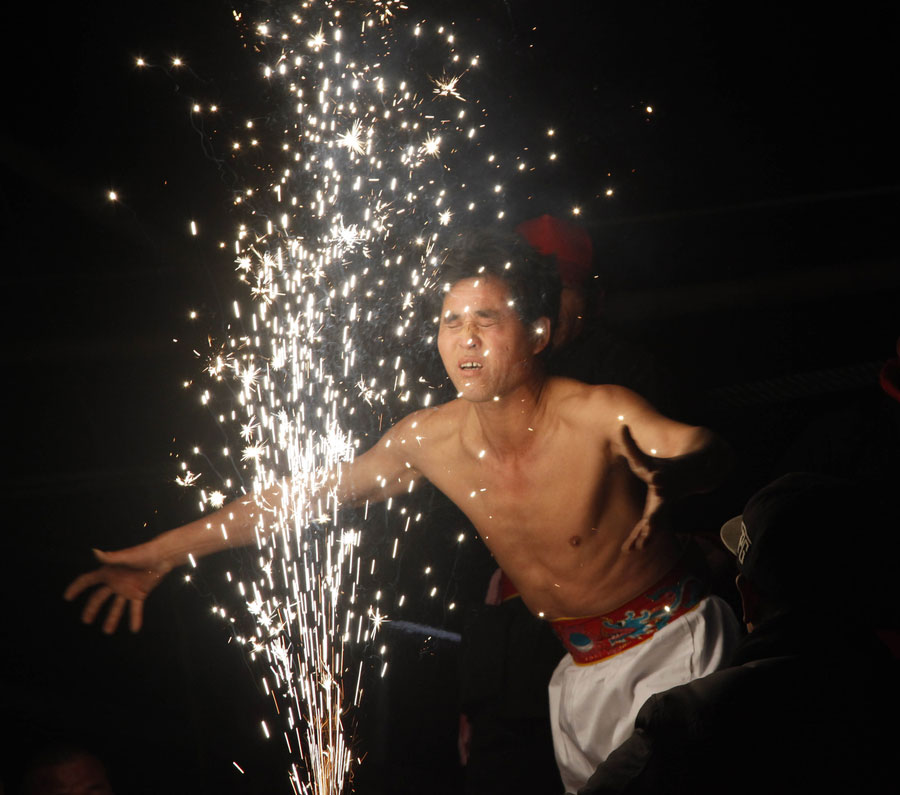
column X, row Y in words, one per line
column 654, row 472
column 128, row 577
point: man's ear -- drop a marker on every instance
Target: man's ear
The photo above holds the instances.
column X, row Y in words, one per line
column 540, row 333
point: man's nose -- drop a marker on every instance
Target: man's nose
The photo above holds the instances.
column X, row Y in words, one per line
column 469, row 337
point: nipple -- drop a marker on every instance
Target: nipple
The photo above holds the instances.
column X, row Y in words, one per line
column 575, row 541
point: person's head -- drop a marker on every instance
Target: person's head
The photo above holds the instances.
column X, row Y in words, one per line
column 787, row 543
column 66, row 770
column 499, row 300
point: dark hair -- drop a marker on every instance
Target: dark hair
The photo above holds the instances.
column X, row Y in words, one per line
column 532, row 278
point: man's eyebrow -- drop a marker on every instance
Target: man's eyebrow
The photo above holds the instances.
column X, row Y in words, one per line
column 488, row 313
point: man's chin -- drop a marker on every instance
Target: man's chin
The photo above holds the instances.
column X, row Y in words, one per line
column 474, row 393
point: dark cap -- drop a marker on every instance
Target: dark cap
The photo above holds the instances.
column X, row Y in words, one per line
column 789, row 538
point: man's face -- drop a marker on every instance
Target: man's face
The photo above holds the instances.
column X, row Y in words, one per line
column 486, row 349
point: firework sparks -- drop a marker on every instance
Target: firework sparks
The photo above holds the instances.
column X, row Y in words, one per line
column 446, row 87
column 253, row 452
column 385, row 9
column 431, row 146
column 337, row 243
column 353, row 138
column 187, row 479
column 377, row 619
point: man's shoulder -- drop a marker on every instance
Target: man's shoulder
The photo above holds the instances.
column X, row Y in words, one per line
column 609, row 399
column 432, row 420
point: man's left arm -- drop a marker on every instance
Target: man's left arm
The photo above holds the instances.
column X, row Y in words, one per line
column 672, row 458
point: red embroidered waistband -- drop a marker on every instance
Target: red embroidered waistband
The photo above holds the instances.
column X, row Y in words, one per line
column 595, row 638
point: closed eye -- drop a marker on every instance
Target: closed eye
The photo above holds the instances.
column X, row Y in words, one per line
column 487, row 317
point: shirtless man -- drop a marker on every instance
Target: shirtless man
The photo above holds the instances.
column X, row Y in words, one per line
column 549, row 471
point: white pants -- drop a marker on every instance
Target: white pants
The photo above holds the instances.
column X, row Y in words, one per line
column 593, row 707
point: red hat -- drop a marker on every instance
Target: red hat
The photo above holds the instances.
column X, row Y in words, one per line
column 569, row 243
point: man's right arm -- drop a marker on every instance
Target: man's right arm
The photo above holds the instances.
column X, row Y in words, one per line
column 128, row 576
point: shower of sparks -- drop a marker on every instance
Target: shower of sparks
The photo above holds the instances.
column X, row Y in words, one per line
column 341, row 227
column 385, row 9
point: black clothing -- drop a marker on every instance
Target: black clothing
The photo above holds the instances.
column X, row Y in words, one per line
column 508, row 656
column 801, row 709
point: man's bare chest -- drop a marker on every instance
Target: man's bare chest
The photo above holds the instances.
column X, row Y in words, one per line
column 552, row 487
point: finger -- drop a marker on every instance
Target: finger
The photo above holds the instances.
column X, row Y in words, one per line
column 646, row 527
column 109, row 558
column 95, row 603
column 114, row 614
column 634, row 453
column 646, row 535
column 80, row 583
column 636, row 538
column 137, row 615
column 120, row 557
column 642, row 538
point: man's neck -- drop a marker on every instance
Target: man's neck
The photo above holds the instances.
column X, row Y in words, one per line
column 507, row 426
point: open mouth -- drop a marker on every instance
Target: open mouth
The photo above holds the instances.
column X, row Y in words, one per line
column 470, row 366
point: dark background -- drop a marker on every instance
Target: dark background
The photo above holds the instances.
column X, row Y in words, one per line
column 749, row 251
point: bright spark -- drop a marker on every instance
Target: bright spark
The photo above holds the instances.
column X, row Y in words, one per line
column 317, row 40
column 253, row 452
column 187, row 479
column 353, row 138
column 377, row 619
column 431, row 145
column 446, row 87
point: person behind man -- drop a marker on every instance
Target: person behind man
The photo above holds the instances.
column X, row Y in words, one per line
column 567, row 484
column 65, row 770
column 569, row 245
column 801, row 707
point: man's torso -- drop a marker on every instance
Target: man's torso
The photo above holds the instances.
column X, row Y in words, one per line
column 555, row 511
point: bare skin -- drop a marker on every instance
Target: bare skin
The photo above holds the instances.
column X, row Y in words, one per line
column 548, row 470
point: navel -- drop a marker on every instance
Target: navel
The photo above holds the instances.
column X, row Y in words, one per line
column 575, row 541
